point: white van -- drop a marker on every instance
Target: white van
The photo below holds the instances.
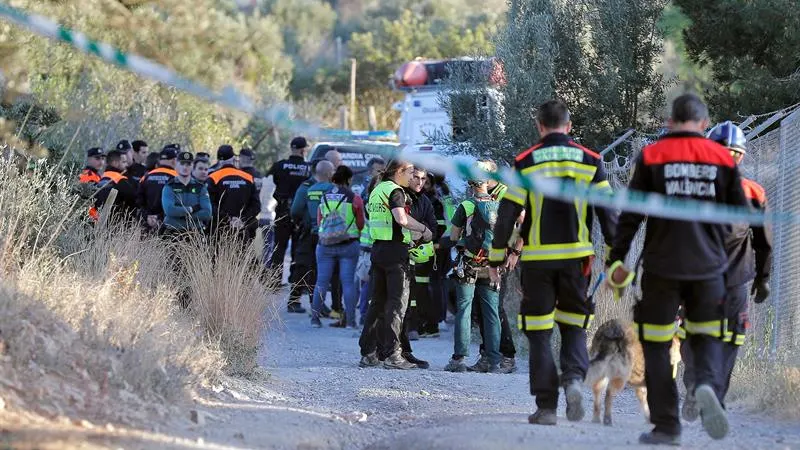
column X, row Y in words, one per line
column 422, row 118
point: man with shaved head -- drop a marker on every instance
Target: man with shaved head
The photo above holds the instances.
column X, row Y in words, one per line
column 334, row 157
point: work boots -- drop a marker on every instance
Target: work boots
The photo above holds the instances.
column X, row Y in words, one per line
column 574, row 396
column 416, row 361
column 295, row 307
column 397, row 361
column 456, row 365
column 370, row 360
column 660, row 438
column 543, row 417
column 712, row 414
column 481, row 366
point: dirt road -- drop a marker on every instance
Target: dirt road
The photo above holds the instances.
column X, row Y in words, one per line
column 318, row 398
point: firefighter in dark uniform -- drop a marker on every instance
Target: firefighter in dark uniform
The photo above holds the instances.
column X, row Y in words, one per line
column 233, row 198
column 151, row 185
column 556, row 260
column 684, row 263
column 90, row 176
column 749, row 250
column 287, row 174
column 124, row 207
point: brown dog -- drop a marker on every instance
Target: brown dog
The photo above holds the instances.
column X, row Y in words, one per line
column 616, row 358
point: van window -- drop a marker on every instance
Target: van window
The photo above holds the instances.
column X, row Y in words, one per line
column 468, row 110
column 356, row 160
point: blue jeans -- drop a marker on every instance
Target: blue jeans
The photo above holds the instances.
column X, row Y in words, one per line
column 490, row 305
column 328, row 256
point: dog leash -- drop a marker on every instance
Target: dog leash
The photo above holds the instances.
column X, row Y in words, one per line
column 596, row 286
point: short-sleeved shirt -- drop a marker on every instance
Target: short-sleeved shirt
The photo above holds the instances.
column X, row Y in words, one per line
column 394, row 251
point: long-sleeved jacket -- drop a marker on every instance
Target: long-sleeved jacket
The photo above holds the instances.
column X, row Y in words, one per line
column 685, row 165
column 233, row 194
column 749, row 248
column 555, row 233
column 257, row 178
column 125, row 202
column 177, row 198
column 439, row 213
column 422, row 210
column 299, row 210
column 150, row 187
column 136, row 171
column 313, row 197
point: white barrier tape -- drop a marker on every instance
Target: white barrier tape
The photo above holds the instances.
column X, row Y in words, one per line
column 645, row 203
column 627, row 200
column 276, row 114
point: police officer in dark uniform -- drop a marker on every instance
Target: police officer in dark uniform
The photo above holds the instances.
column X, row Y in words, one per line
column 556, row 257
column 684, row 263
column 287, row 174
column 233, row 198
column 151, row 185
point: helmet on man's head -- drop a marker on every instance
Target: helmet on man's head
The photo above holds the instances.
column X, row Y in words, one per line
column 729, row 135
column 485, row 166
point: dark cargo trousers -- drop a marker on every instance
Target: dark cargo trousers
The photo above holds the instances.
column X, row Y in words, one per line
column 383, row 327
column 549, row 297
column 655, row 317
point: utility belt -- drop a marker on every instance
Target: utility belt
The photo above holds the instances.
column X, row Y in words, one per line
column 468, row 267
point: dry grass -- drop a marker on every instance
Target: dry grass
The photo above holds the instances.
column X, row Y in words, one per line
column 767, row 386
column 89, row 323
column 230, row 297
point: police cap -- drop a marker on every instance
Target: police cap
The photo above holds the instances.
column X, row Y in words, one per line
column 185, row 157
column 169, row 151
column 299, row 142
column 225, row 152
column 95, row 151
column 124, row 146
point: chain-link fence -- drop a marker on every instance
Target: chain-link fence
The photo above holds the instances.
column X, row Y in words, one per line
column 773, row 160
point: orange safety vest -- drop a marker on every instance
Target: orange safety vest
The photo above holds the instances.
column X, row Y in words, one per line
column 116, row 177
column 89, row 176
column 166, row 170
column 229, row 171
